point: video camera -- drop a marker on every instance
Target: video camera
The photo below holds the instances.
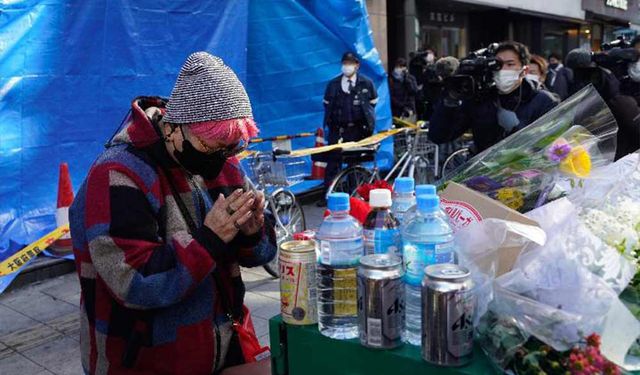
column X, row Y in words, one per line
column 475, row 74
column 588, row 66
column 620, row 42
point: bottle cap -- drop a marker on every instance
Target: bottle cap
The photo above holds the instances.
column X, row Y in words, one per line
column 403, row 185
column 338, row 202
column 425, row 190
column 380, row 198
column 428, row 203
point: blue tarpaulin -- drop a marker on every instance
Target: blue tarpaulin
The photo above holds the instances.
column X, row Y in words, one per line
column 70, row 68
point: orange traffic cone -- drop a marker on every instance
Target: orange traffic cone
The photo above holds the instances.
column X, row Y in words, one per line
column 63, row 246
column 317, row 171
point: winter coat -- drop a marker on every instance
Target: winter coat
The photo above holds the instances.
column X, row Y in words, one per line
column 150, row 303
column 449, row 123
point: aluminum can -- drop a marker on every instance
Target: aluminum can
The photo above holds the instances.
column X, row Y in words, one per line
column 381, row 311
column 448, row 307
column 298, row 296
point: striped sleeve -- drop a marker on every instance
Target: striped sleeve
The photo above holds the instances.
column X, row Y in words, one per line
column 140, row 268
column 258, row 249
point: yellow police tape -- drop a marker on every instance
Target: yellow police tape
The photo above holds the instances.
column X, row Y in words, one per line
column 369, row 141
column 18, row 260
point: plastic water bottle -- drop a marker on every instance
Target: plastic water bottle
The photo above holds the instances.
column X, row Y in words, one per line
column 340, row 247
column 381, row 229
column 423, row 190
column 403, row 197
column 427, row 239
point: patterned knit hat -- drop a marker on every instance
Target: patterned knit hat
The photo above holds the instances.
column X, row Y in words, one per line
column 207, row 90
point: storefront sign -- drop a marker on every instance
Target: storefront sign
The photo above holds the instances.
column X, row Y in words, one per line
column 442, row 17
column 620, row 4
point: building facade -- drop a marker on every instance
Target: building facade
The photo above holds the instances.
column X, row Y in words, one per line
column 457, row 27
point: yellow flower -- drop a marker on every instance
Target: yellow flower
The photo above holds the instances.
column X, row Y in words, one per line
column 577, row 163
column 512, row 198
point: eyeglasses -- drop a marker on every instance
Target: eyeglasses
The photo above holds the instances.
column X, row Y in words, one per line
column 227, row 152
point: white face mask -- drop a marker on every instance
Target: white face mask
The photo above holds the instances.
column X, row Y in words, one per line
column 430, row 58
column 507, row 80
column 533, row 77
column 348, row 69
column 634, row 71
column 398, row 72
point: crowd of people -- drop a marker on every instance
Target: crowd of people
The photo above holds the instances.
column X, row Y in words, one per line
column 525, row 87
column 522, row 88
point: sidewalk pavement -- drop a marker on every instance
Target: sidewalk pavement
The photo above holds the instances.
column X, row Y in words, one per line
column 39, row 324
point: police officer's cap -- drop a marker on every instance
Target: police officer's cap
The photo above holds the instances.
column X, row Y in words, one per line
column 350, row 57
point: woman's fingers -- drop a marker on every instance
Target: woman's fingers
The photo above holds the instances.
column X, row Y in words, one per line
column 232, row 199
column 242, row 220
column 220, row 204
column 259, row 202
column 240, row 212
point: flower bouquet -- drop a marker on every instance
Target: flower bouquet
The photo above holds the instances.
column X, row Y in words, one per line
column 525, row 170
column 521, row 354
column 610, row 208
column 578, row 280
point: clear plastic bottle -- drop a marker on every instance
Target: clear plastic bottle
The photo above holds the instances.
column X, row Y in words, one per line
column 427, row 239
column 381, row 229
column 340, row 247
column 423, row 190
column 403, row 197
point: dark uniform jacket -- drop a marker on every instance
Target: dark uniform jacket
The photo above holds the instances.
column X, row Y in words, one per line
column 363, row 99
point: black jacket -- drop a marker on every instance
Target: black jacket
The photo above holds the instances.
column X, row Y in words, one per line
column 559, row 81
column 403, row 94
column 627, row 114
column 449, row 123
column 624, row 108
column 367, row 96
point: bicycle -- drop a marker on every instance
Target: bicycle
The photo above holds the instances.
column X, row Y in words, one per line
column 274, row 172
column 417, row 156
column 458, row 157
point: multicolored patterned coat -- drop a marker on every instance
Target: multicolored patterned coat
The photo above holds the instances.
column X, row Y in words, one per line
column 149, row 301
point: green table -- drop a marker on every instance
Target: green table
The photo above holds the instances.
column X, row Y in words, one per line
column 302, row 350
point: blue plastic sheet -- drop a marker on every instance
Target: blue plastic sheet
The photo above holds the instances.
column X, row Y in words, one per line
column 294, row 50
column 68, row 72
column 70, row 68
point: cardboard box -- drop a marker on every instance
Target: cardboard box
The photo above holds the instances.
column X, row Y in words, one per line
column 465, row 206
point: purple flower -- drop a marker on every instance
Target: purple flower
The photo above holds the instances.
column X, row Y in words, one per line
column 558, row 151
column 523, row 178
column 482, row 184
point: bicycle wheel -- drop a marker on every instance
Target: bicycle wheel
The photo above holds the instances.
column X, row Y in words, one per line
column 348, row 180
column 423, row 171
column 454, row 161
column 292, row 218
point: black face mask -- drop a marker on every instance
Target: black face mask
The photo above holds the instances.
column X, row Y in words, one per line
column 553, row 66
column 206, row 165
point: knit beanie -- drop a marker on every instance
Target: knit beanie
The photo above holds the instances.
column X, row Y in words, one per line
column 207, row 90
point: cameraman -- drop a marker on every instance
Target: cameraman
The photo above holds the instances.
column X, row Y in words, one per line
column 403, row 88
column 422, row 67
column 631, row 85
column 513, row 104
column 623, row 107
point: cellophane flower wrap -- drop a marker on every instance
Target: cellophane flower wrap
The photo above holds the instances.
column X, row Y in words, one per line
column 583, row 279
column 525, row 170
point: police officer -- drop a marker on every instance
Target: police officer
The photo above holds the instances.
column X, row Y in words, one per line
column 349, row 103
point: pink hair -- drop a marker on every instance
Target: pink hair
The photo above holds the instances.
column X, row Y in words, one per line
column 226, row 131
